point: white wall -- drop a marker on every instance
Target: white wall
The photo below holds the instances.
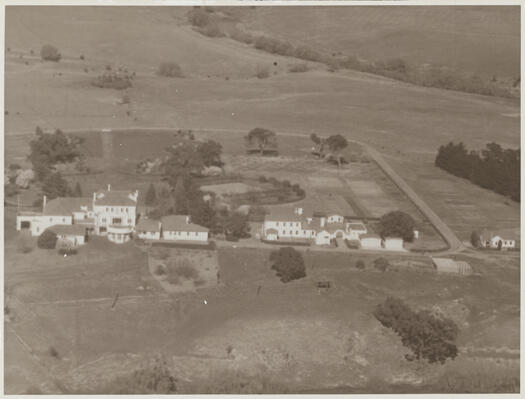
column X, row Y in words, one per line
column 40, row 222
column 149, row 235
column 371, row 243
column 185, row 235
column 72, row 239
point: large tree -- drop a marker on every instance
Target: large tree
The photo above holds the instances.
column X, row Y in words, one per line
column 336, row 144
column 427, row 336
column 151, row 195
column 47, row 240
column 56, row 186
column 46, row 150
column 210, row 151
column 262, row 138
column 288, row 263
column 397, row 224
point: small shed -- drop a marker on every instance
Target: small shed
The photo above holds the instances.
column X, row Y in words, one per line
column 451, row 266
column 393, row 243
column 370, row 241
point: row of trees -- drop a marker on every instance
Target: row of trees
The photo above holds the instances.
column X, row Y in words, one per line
column 427, row 336
column 494, row 167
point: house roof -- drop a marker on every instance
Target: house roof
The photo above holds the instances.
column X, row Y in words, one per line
column 178, row 223
column 271, row 231
column 284, row 215
column 148, row 225
column 68, row 229
column 115, row 198
column 333, row 227
column 506, row 234
column 315, row 224
column 65, row 206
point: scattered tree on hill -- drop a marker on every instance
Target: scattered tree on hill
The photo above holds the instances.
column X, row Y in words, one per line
column 475, row 239
column 288, row 263
column 55, row 186
column 50, row 53
column 360, row 264
column 170, row 70
column 210, row 151
column 397, row 224
column 151, row 196
column 47, row 240
column 263, row 139
column 77, row 192
column 427, row 336
column 494, row 168
column 336, row 144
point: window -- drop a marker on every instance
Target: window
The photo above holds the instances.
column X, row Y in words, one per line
column 107, row 209
column 126, row 209
column 103, row 220
column 129, row 220
column 117, row 220
column 50, row 219
column 37, row 229
column 64, row 220
column 121, row 209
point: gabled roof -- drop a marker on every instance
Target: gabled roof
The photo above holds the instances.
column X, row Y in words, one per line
column 333, row 227
column 68, row 229
column 65, row 206
column 178, row 223
column 114, row 198
column 148, row 225
column 271, row 231
column 283, row 215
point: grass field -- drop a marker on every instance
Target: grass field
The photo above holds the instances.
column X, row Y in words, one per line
column 262, row 329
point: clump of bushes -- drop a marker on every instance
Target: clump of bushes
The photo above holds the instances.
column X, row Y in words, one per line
column 242, row 36
column 204, row 23
column 53, row 352
column 288, row 264
column 50, row 53
column 360, row 264
column 47, row 240
column 427, row 336
column 381, row 264
column 299, row 67
column 112, row 80
column 170, row 70
column 180, row 269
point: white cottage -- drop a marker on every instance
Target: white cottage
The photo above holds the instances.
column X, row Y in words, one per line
column 393, row 243
column 180, row 228
column 370, row 241
column 70, row 235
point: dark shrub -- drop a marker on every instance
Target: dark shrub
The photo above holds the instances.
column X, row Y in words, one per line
column 112, row 81
column 211, row 30
column 360, row 264
column 82, row 57
column 198, row 17
column 50, row 53
column 262, row 179
column 67, row 251
column 381, row 264
column 53, row 352
column 300, row 67
column 170, row 70
column 262, row 72
column 47, row 240
column 288, row 263
column 242, row 36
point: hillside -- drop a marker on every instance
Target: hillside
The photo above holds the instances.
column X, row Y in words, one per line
column 220, row 90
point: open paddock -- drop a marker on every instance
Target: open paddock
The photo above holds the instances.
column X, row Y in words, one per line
column 460, row 204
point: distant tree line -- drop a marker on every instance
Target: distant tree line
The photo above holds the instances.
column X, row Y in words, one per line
column 494, row 167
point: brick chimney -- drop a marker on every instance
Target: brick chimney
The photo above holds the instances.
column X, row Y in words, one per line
column 109, row 187
column 44, row 202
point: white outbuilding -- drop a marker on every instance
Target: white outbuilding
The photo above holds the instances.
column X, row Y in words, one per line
column 370, row 241
column 393, row 243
